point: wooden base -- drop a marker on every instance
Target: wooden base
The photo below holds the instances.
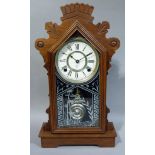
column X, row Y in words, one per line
column 54, row 140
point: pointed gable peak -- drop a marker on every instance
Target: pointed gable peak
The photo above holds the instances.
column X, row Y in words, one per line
column 77, row 27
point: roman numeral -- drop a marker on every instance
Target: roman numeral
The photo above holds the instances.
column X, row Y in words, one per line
column 69, row 47
column 70, row 73
column 84, row 73
column 77, row 46
column 90, row 61
column 87, row 67
column 64, row 67
column 84, row 48
column 63, row 60
column 64, row 53
column 76, row 74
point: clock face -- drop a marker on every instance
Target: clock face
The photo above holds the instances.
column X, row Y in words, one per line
column 77, row 61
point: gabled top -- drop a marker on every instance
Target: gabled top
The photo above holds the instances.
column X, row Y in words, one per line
column 83, row 11
column 76, row 26
column 77, row 17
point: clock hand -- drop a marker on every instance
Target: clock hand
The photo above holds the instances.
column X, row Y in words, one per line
column 88, row 54
column 85, row 56
column 77, row 61
column 72, row 57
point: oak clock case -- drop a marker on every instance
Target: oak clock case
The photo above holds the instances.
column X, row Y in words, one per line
column 77, row 58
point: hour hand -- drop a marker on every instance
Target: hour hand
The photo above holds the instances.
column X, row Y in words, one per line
column 72, row 57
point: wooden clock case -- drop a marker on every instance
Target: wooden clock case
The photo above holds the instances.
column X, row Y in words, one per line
column 77, row 20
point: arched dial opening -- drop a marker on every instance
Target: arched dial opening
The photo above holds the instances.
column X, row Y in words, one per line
column 77, row 61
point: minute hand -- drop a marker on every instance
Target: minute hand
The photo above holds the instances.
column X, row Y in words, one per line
column 86, row 56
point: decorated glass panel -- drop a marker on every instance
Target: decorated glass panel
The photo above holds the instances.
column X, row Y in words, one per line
column 78, row 105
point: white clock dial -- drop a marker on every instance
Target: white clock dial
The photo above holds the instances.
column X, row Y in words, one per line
column 77, row 61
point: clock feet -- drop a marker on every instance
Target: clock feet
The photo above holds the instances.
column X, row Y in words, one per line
column 51, row 140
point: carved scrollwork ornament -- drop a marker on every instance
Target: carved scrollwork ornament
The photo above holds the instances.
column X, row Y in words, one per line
column 103, row 27
column 40, row 44
column 51, row 27
column 114, row 43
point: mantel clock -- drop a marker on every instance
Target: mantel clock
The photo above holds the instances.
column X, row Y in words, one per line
column 77, row 57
